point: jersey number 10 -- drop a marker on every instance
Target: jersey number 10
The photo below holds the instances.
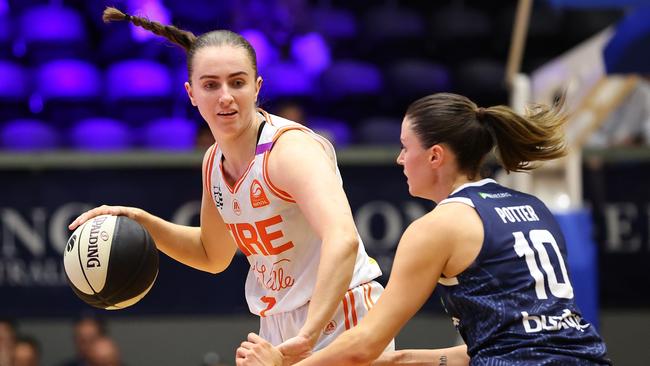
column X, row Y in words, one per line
column 523, row 249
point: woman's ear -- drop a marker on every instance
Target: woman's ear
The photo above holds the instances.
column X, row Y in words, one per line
column 436, row 155
column 188, row 89
column 258, row 86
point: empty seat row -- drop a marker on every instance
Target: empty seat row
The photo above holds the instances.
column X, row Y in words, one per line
column 99, row 134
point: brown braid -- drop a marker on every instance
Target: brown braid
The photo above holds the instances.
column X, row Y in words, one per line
column 178, row 36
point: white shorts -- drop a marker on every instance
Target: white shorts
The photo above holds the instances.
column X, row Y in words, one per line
column 355, row 305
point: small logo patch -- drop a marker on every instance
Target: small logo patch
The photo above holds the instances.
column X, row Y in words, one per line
column 494, row 195
column 236, row 207
column 330, row 328
column 70, row 245
column 257, row 195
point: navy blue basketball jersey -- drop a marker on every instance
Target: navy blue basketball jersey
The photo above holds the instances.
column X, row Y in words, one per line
column 514, row 305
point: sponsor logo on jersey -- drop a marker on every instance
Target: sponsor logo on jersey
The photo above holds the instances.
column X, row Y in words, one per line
column 236, row 207
column 566, row 320
column 257, row 195
column 330, row 328
column 494, row 195
column 218, row 196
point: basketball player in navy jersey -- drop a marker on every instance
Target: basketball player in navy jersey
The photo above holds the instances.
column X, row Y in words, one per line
column 498, row 255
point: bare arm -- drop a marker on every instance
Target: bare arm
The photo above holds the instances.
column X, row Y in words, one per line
column 452, row 356
column 209, row 248
column 300, row 166
column 422, row 254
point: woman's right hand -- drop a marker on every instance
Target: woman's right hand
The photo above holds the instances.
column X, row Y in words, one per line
column 130, row 212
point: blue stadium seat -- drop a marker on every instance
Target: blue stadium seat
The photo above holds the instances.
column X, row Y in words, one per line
column 26, row 135
column 52, row 32
column 100, row 135
column 174, row 134
column 139, row 90
column 70, row 90
column 14, row 91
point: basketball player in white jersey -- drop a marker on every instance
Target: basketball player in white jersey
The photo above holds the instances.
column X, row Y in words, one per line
column 272, row 189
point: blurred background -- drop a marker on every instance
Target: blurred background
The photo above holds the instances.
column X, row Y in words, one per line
column 97, row 114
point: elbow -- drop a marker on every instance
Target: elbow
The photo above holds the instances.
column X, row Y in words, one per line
column 218, row 267
column 362, row 356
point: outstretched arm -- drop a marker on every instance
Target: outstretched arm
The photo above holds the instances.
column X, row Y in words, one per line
column 300, row 165
column 452, row 356
column 422, row 254
column 209, row 247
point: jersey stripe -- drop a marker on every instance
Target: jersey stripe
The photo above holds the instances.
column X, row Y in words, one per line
column 208, row 167
column 345, row 312
column 353, row 308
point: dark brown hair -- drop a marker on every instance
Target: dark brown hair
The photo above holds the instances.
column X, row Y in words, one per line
column 473, row 132
column 186, row 39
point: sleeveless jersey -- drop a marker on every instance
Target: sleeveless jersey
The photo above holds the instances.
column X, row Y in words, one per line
column 282, row 248
column 514, row 304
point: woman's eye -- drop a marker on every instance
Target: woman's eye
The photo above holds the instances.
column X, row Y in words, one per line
column 210, row 85
column 238, row 83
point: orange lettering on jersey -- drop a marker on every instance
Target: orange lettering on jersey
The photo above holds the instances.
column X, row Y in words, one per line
column 248, row 236
column 247, row 250
column 267, row 237
column 257, row 195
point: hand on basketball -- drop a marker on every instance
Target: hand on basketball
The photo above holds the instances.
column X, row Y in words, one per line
column 295, row 349
column 256, row 351
column 130, row 212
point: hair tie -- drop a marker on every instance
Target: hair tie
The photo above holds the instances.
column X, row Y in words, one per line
column 480, row 113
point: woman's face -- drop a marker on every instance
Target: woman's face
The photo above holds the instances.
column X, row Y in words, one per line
column 416, row 162
column 224, row 88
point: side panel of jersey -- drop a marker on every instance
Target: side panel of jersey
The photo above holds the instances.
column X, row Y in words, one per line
column 269, row 228
column 514, row 304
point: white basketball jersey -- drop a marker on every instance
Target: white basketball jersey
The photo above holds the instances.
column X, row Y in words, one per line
column 269, row 228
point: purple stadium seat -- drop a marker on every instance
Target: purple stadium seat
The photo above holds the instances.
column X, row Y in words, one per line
column 14, row 91
column 175, row 134
column 139, row 90
column 414, row 78
column 100, row 135
column 29, row 135
column 336, row 131
column 70, row 90
column 351, row 77
column 286, row 79
column 312, row 53
column 50, row 32
column 379, row 131
column 334, row 23
column 266, row 53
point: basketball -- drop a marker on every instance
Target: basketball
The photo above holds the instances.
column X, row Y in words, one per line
column 111, row 262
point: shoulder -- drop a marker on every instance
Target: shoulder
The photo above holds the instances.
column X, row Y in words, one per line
column 447, row 225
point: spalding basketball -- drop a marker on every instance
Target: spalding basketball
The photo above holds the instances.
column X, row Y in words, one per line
column 111, row 262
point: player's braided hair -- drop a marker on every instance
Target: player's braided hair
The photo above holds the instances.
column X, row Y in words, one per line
column 185, row 39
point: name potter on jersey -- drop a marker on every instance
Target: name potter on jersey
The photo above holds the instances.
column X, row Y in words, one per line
column 516, row 213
